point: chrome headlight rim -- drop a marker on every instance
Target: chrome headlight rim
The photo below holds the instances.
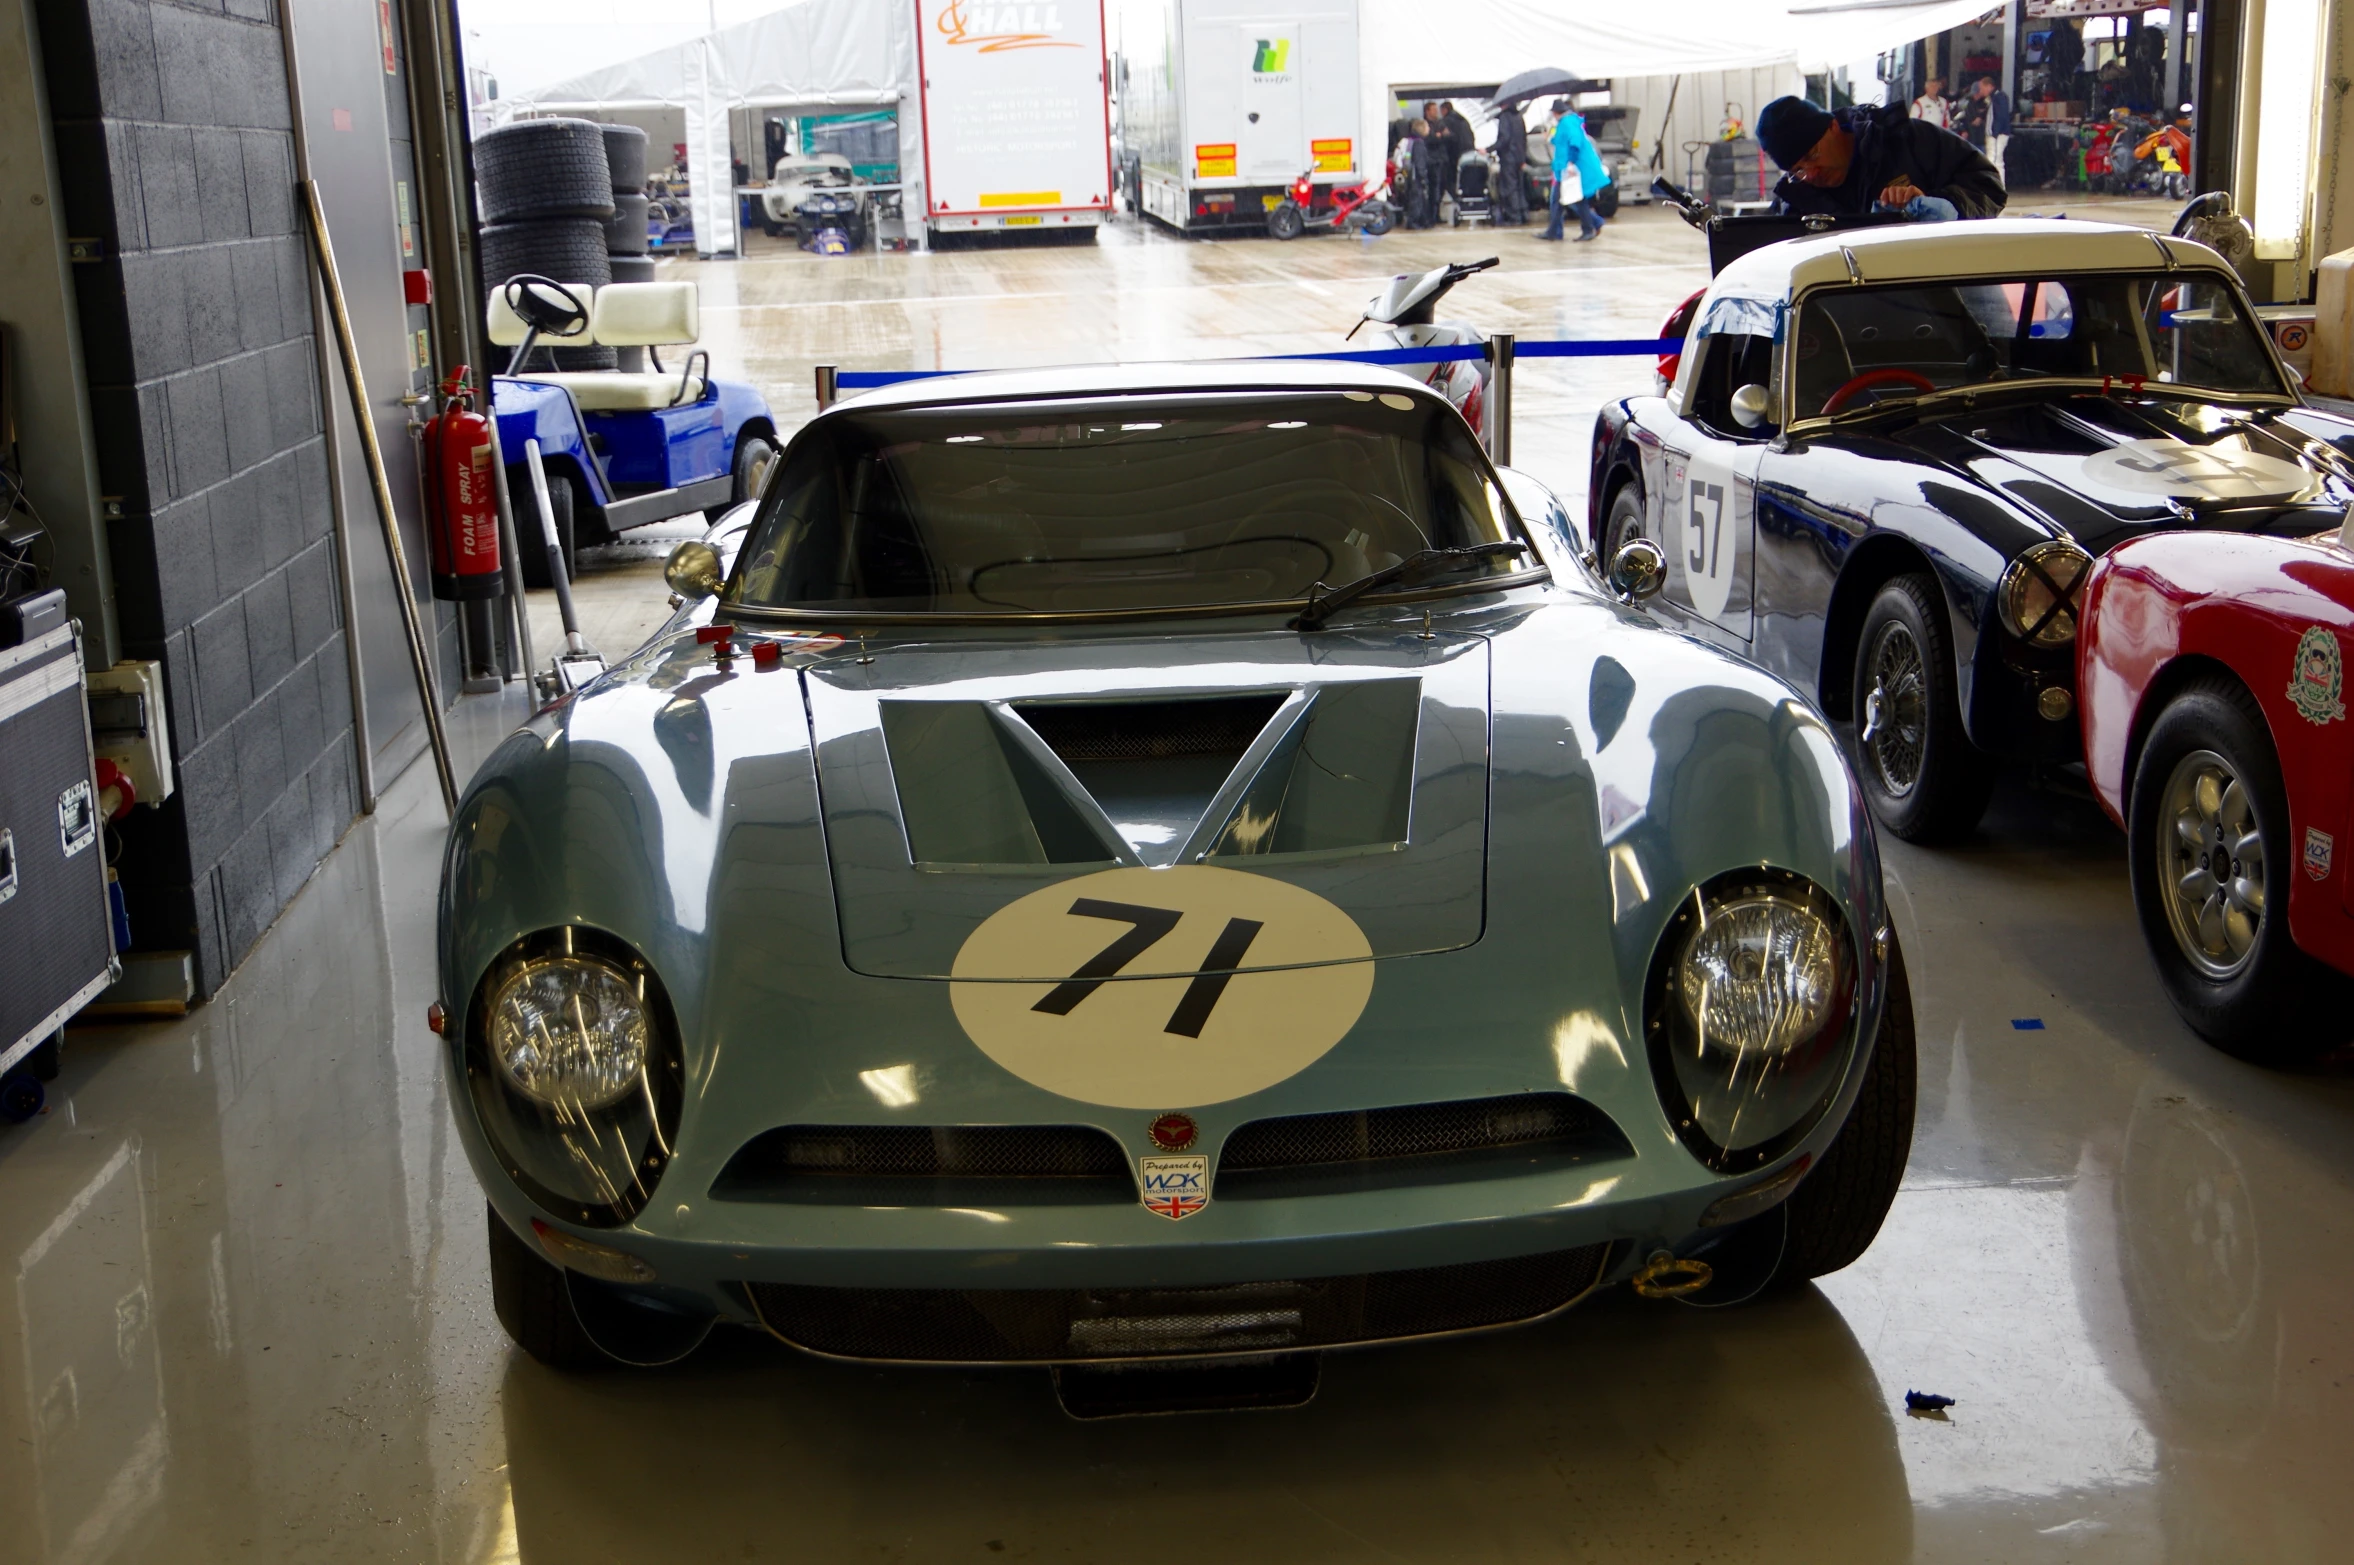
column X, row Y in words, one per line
column 1667, row 1029
column 2058, row 566
column 497, row 1100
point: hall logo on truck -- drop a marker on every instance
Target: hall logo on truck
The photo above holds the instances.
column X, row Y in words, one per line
column 994, row 28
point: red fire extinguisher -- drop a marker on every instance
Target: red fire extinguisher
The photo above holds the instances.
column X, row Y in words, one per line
column 462, row 493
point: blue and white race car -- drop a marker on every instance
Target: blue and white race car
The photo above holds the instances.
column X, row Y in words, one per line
column 1172, row 864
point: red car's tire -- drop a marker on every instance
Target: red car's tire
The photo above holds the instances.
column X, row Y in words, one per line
column 2208, row 786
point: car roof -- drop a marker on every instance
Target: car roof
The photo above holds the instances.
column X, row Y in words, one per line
column 1124, row 380
column 1978, row 247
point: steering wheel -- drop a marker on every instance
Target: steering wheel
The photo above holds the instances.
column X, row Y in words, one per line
column 546, row 306
column 1871, row 378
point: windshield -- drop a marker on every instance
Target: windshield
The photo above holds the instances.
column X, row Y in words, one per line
column 1860, row 345
column 1116, row 505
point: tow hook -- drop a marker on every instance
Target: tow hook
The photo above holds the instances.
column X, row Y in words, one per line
column 1669, row 1276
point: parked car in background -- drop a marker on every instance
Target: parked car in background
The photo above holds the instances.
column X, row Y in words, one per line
column 1889, row 454
column 1155, row 864
column 800, row 178
column 2213, row 672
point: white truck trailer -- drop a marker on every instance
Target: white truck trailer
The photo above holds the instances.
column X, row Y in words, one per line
column 1016, row 115
column 1223, row 103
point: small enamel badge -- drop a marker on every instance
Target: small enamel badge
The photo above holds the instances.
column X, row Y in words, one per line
column 1173, row 1132
column 2319, row 845
column 1175, row 1187
column 2317, row 677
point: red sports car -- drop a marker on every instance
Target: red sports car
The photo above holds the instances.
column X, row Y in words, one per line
column 2212, row 671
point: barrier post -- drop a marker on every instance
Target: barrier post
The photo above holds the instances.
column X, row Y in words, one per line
column 1500, row 356
column 825, row 386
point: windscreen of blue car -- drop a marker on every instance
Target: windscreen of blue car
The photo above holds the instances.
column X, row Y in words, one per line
column 1118, row 505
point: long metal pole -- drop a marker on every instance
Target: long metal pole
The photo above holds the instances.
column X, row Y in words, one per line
column 1501, row 347
column 510, row 549
column 362, row 749
column 356, row 384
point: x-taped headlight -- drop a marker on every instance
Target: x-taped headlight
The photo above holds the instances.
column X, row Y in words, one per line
column 2037, row 596
column 1749, row 1014
column 572, row 1062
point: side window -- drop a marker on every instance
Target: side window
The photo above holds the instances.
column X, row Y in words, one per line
column 1729, row 361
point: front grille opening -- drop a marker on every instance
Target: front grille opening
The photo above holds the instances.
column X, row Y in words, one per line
column 1419, row 1143
column 1091, row 732
column 929, row 1165
column 1080, row 1325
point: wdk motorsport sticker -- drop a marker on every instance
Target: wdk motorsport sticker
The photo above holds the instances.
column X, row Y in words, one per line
column 1175, row 1187
column 2319, row 846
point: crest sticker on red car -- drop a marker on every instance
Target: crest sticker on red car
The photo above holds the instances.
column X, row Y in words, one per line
column 1175, row 1187
column 2319, row 846
column 2317, row 677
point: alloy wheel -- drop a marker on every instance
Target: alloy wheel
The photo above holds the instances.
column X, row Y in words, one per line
column 2210, row 852
column 1896, row 710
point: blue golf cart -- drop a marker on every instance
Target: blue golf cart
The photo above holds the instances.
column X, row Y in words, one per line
column 622, row 448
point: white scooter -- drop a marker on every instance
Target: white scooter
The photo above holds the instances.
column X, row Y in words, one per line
column 1406, row 308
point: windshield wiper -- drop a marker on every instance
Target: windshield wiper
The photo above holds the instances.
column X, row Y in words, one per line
column 1324, row 602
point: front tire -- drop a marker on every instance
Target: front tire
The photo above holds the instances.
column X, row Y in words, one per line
column 528, row 540
column 755, row 455
column 1286, row 222
column 2207, row 794
column 1926, row 781
column 1624, row 520
column 534, row 1305
column 1835, row 1215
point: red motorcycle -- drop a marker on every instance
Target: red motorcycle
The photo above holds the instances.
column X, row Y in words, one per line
column 1354, row 208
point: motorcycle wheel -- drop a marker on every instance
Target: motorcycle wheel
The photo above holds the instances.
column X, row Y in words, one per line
column 1286, row 221
column 1379, row 218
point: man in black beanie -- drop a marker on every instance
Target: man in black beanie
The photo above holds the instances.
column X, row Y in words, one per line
column 1852, row 161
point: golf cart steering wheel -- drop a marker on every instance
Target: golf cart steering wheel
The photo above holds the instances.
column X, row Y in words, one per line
column 1873, row 378
column 548, row 307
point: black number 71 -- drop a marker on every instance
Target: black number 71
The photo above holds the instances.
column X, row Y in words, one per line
column 1146, row 927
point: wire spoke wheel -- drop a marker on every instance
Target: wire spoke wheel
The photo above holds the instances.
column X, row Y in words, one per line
column 2210, row 864
column 1896, row 709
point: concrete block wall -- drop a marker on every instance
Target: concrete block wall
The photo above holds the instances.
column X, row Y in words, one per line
column 175, row 150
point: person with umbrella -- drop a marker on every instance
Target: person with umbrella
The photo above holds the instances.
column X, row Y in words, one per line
column 1511, row 177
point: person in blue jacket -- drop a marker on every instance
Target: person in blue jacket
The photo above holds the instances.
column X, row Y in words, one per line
column 1574, row 149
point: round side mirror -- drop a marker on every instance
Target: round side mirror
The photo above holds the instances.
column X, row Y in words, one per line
column 693, row 570
column 1638, row 571
column 1751, row 404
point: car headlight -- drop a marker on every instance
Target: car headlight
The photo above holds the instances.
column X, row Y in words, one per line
column 1749, row 1014
column 571, row 1059
column 569, row 1032
column 2036, row 599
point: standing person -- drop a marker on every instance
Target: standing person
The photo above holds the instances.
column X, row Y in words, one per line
column 1461, row 138
column 1853, row 160
column 1569, row 133
column 1536, row 169
column 1511, row 176
column 1989, row 117
column 1412, row 183
column 1930, row 107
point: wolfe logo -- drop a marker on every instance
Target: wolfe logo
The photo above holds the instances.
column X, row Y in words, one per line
column 1175, row 1187
column 994, row 28
column 1274, row 55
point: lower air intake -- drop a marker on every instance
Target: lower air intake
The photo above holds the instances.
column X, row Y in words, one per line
column 929, row 1165
column 1081, row 1325
column 1416, row 1143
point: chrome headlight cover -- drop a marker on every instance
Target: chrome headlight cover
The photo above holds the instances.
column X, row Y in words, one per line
column 572, row 1062
column 2025, row 600
column 1750, row 1015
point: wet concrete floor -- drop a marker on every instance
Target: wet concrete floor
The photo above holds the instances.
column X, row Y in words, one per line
column 245, row 1314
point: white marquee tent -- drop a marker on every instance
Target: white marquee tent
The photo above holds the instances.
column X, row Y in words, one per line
column 861, row 54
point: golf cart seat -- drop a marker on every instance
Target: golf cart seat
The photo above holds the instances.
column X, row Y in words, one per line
column 621, row 315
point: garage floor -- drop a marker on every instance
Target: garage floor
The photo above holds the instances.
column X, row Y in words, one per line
column 246, row 1313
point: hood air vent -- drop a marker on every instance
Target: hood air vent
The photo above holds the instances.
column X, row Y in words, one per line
column 1154, row 766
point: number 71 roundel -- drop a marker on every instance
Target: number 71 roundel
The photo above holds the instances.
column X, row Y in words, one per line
column 1147, row 988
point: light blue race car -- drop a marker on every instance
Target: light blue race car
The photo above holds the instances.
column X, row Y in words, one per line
column 1157, row 872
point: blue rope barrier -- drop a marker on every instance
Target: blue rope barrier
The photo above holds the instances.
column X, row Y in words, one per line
column 1569, row 348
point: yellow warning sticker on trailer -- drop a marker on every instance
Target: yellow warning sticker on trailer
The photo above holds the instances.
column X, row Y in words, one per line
column 1334, row 156
column 1022, row 198
column 1213, row 160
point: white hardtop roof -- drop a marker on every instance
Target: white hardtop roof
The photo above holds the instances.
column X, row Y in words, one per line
column 1130, row 380
column 1937, row 252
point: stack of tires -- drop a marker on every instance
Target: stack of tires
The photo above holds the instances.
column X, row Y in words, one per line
column 625, row 233
column 547, row 207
